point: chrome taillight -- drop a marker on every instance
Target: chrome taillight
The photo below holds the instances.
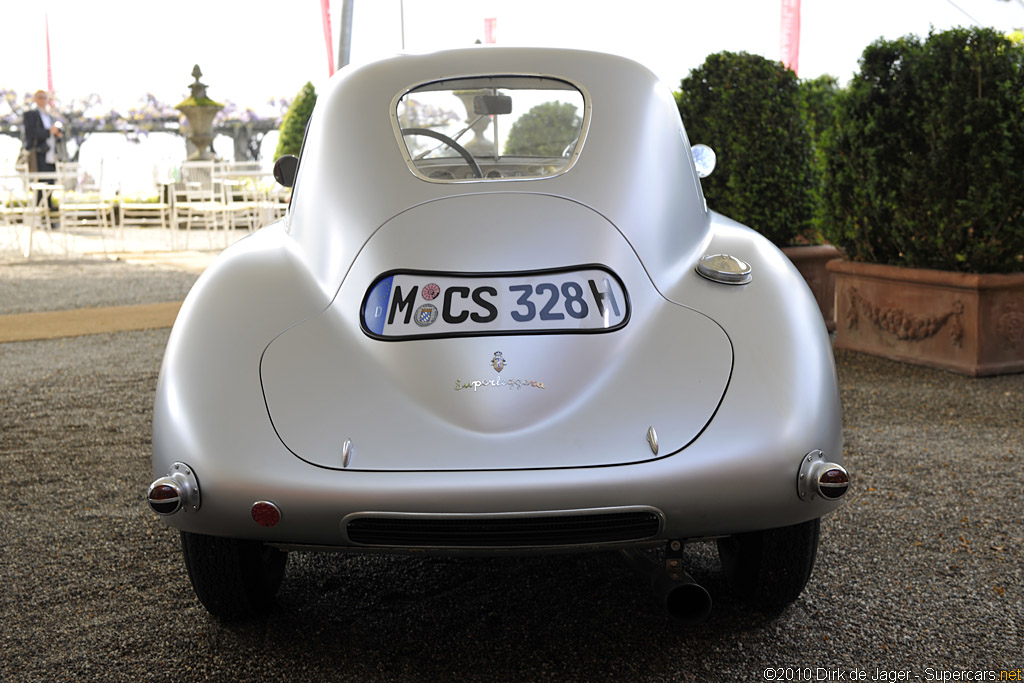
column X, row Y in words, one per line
column 179, row 490
column 833, row 482
column 164, row 496
column 818, row 477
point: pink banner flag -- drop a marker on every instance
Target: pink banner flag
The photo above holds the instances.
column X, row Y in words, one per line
column 49, row 68
column 791, row 34
column 490, row 29
column 325, row 12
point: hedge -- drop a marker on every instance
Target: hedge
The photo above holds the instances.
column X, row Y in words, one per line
column 925, row 165
column 818, row 104
column 748, row 109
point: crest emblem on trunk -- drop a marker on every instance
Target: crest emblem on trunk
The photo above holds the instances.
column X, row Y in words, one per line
column 498, row 362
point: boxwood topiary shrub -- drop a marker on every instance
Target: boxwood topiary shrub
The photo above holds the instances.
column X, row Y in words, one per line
column 925, row 164
column 817, row 104
column 293, row 125
column 748, row 109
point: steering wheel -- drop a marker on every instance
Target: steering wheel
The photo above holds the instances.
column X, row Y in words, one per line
column 463, row 152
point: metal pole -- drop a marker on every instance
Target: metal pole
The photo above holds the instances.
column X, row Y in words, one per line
column 345, row 37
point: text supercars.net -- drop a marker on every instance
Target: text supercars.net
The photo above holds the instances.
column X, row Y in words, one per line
column 806, row 673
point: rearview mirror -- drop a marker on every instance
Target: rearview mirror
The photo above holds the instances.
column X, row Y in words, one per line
column 284, row 169
column 704, row 158
column 489, row 105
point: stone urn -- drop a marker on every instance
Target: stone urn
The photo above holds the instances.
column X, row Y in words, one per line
column 199, row 110
column 480, row 145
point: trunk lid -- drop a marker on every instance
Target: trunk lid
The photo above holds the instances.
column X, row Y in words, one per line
column 419, row 364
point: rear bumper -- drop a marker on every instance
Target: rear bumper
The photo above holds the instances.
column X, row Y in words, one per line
column 698, row 492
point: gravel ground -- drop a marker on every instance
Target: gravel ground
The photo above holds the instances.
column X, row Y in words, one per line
column 31, row 286
column 920, row 571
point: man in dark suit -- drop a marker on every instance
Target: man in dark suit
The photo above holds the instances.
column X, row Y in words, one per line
column 41, row 133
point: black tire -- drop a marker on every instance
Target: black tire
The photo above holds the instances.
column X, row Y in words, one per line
column 768, row 569
column 234, row 579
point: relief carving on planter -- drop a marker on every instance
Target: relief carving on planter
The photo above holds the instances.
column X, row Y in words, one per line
column 903, row 325
column 1011, row 325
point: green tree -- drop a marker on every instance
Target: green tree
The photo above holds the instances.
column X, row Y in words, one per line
column 544, row 131
column 293, row 125
column 748, row 109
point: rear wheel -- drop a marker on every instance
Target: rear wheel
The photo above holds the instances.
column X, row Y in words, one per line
column 769, row 568
column 233, row 578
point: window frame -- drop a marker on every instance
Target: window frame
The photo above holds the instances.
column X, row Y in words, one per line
column 416, row 171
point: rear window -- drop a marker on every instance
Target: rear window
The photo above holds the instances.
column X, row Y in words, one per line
column 491, row 128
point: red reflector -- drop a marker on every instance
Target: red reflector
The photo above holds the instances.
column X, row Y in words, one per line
column 265, row 514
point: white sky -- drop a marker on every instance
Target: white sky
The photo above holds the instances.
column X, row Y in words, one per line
column 253, row 50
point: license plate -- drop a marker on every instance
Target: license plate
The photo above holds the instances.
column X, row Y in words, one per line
column 418, row 304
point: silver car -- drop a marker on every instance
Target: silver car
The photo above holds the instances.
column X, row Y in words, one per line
column 499, row 317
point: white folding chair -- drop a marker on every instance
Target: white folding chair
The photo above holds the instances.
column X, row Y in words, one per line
column 239, row 182
column 82, row 209
column 148, row 213
column 198, row 201
column 41, row 221
column 14, row 207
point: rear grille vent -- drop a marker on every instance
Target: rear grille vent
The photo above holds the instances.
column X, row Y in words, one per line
column 503, row 532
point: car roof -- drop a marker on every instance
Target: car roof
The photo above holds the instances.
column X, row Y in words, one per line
column 635, row 167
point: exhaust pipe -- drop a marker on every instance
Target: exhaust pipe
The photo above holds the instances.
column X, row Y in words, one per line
column 684, row 599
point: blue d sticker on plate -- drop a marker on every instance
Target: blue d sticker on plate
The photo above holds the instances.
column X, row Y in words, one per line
column 570, row 300
column 376, row 306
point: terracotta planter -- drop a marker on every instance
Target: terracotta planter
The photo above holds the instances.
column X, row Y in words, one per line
column 967, row 323
column 810, row 261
